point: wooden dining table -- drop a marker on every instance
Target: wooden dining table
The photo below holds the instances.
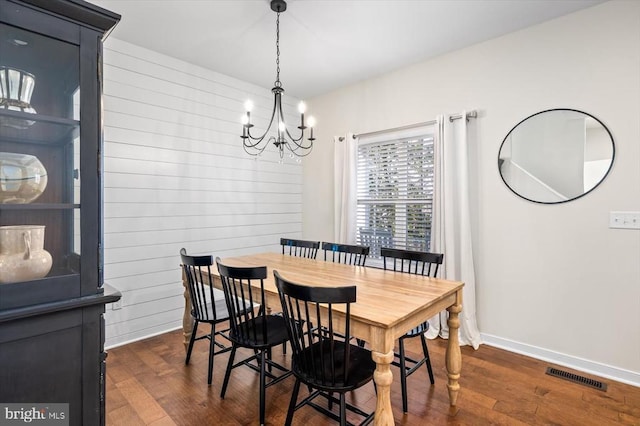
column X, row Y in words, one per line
column 388, row 305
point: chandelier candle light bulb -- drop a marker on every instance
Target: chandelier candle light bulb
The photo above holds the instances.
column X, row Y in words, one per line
column 255, row 145
column 302, row 108
column 312, row 124
column 246, row 119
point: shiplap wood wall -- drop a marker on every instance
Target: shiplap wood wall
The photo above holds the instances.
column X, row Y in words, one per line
column 175, row 175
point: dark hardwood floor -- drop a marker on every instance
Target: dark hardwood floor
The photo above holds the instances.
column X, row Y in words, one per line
column 149, row 384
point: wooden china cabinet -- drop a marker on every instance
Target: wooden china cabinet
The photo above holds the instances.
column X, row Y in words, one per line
column 51, row 310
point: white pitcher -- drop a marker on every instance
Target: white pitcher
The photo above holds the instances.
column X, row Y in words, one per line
column 22, row 253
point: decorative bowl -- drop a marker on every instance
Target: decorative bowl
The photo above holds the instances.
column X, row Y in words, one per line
column 22, row 178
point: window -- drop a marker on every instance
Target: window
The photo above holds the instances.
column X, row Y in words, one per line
column 395, row 193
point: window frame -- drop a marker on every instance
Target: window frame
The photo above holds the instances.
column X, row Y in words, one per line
column 413, row 186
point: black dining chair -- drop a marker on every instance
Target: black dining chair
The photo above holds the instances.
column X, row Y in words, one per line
column 345, row 253
column 300, row 248
column 420, row 263
column 207, row 305
column 324, row 362
column 251, row 326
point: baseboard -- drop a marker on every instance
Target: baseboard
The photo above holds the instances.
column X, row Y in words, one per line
column 591, row 367
column 141, row 337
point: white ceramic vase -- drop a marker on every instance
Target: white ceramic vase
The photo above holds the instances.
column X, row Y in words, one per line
column 22, row 253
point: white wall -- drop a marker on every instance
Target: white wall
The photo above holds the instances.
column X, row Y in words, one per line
column 176, row 176
column 553, row 281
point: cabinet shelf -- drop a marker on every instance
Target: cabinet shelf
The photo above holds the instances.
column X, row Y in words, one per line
column 39, row 206
column 45, row 129
column 99, row 298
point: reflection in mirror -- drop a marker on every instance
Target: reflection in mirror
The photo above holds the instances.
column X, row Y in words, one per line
column 556, row 156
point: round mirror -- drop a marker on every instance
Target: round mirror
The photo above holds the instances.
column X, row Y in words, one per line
column 556, row 156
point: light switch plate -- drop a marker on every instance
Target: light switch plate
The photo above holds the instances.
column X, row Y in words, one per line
column 624, row 220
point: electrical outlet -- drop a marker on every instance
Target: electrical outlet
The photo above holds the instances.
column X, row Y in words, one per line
column 116, row 305
column 624, row 220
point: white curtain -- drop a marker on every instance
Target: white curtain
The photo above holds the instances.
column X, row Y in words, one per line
column 345, row 150
column 451, row 224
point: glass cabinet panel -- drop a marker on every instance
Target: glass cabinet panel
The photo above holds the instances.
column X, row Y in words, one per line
column 39, row 157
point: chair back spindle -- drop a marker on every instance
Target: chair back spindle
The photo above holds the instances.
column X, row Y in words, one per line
column 300, row 248
column 412, row 262
column 345, row 253
column 197, row 270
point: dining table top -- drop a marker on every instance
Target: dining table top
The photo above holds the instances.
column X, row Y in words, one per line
column 384, row 298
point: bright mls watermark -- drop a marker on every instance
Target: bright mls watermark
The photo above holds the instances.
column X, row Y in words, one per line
column 41, row 414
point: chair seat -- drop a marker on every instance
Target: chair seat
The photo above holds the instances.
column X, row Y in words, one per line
column 222, row 314
column 361, row 366
column 253, row 332
column 422, row 328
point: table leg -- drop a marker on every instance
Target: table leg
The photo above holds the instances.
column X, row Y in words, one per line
column 383, row 379
column 453, row 356
column 187, row 319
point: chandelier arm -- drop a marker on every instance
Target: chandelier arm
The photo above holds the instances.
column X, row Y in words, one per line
column 294, row 140
column 253, row 153
column 305, row 150
column 253, row 149
column 296, row 147
column 253, row 145
column 259, row 139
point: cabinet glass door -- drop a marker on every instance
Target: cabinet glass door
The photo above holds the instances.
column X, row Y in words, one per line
column 39, row 158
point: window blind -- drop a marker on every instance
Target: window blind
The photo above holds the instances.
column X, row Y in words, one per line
column 395, row 193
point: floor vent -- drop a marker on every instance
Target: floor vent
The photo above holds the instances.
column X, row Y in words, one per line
column 577, row 379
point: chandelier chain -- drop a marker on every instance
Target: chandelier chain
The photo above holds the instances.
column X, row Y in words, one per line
column 277, row 83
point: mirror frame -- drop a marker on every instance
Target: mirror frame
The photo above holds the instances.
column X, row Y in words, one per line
column 613, row 155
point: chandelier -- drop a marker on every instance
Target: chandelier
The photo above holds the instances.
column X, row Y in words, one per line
column 255, row 145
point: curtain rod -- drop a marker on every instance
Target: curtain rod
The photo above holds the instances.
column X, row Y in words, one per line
column 452, row 118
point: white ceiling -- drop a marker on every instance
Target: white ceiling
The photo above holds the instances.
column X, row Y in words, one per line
column 324, row 44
